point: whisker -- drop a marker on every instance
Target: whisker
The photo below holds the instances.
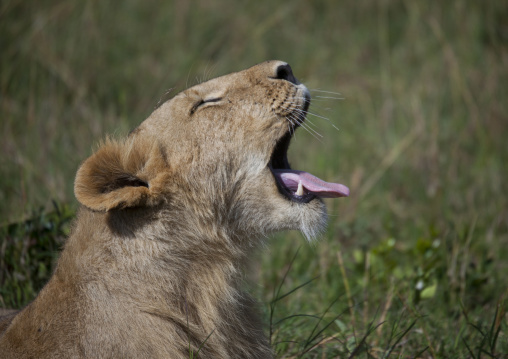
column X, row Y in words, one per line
column 188, row 75
column 331, row 92
column 310, row 123
column 164, row 98
column 315, row 115
column 208, row 71
column 329, row 97
column 289, row 127
column 292, row 126
column 312, row 114
column 295, row 108
column 313, row 135
column 307, row 128
column 300, row 115
column 317, row 98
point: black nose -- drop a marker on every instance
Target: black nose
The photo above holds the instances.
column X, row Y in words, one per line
column 284, row 72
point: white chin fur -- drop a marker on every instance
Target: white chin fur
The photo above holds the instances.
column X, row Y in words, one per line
column 313, row 222
column 308, row 218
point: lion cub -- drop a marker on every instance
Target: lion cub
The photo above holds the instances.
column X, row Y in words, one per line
column 152, row 268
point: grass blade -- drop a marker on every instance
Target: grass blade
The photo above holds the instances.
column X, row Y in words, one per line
column 294, row 289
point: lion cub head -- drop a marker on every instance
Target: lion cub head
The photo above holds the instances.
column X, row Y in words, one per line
column 217, row 154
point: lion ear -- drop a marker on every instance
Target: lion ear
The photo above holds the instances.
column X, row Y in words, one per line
column 121, row 175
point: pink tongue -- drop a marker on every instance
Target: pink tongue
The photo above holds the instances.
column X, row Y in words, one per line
column 291, row 179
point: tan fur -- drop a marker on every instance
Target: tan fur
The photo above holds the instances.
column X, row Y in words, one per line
column 153, row 266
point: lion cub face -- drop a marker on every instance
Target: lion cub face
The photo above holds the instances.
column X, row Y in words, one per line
column 218, row 151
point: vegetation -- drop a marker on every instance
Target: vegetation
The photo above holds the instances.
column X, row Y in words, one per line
column 413, row 263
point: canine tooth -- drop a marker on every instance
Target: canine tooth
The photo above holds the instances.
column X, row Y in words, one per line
column 299, row 192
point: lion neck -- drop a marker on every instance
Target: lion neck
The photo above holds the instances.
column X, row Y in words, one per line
column 184, row 274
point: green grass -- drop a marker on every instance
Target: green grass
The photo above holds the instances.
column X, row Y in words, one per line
column 413, row 263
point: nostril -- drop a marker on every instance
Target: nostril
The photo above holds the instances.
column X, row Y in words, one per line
column 284, row 72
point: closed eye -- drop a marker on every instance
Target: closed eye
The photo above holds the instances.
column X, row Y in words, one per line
column 202, row 102
column 215, row 99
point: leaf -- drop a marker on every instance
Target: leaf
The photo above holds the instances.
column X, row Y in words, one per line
column 429, row 292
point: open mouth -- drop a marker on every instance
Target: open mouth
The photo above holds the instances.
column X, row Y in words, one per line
column 300, row 186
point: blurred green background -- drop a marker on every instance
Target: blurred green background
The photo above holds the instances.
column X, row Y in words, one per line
column 414, row 262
